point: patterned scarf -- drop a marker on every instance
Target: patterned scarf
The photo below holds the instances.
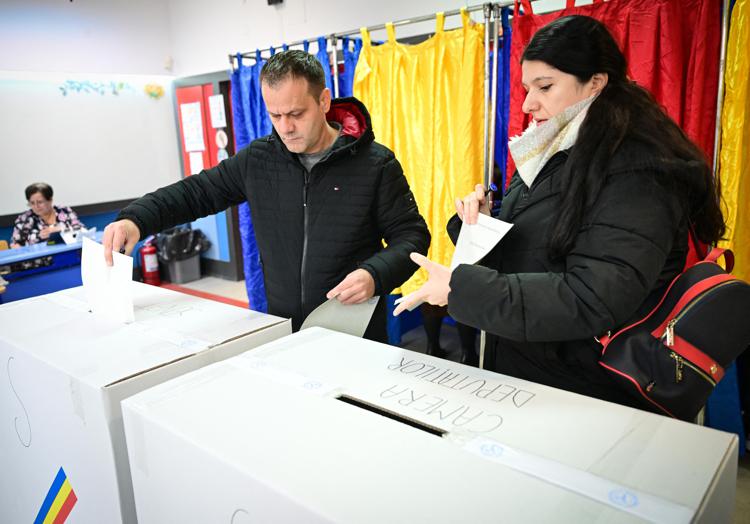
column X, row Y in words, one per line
column 535, row 146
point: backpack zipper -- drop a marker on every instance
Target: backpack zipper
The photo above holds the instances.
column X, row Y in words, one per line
column 668, row 334
column 680, row 361
column 668, row 339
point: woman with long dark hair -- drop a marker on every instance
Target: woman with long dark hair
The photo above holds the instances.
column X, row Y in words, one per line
column 606, row 190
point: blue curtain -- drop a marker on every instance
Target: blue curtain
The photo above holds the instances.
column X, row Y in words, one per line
column 724, row 407
column 250, row 122
column 503, row 98
column 503, row 101
column 346, row 79
column 324, row 60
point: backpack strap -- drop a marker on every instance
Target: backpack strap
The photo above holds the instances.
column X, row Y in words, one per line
column 716, row 252
column 527, row 9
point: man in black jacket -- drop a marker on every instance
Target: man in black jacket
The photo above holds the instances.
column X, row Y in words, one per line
column 323, row 196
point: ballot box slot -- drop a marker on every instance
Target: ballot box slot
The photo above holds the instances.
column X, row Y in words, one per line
column 433, row 430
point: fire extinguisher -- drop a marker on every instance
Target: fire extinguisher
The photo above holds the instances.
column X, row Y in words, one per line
column 150, row 263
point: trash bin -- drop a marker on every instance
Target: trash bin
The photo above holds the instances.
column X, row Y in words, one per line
column 179, row 250
column 181, row 271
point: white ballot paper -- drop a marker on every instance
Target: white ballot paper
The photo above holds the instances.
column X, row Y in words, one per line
column 476, row 240
column 474, row 243
column 108, row 289
column 333, row 315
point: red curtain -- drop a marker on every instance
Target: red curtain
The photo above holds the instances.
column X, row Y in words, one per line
column 672, row 49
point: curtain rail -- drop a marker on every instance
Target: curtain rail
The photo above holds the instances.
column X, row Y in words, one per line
column 378, row 27
column 506, row 3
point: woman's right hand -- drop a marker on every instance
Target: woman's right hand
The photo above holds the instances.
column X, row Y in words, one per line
column 45, row 232
column 472, row 204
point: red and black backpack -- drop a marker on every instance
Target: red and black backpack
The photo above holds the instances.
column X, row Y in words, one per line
column 671, row 359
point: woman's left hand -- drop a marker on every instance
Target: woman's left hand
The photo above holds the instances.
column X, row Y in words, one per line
column 434, row 291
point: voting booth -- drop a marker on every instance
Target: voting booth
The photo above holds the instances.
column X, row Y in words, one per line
column 65, row 371
column 324, row 427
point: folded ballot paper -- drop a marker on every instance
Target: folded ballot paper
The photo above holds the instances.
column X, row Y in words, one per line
column 476, row 240
column 474, row 243
column 350, row 319
column 108, row 289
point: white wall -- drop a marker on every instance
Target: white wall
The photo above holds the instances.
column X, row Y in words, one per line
column 91, row 148
column 143, row 36
column 202, row 36
column 91, row 36
column 203, row 33
column 147, row 37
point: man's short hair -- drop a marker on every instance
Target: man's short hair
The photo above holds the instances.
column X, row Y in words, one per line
column 297, row 64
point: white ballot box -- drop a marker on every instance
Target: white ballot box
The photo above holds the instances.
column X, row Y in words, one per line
column 324, row 427
column 64, row 373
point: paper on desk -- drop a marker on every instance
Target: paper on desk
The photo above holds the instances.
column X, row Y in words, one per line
column 352, row 319
column 108, row 289
column 476, row 240
column 474, row 243
column 73, row 236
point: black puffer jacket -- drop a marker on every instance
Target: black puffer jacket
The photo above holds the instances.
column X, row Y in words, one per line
column 312, row 230
column 542, row 315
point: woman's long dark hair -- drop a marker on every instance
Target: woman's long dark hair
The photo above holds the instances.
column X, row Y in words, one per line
column 582, row 46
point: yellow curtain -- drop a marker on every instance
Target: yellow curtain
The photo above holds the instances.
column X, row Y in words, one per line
column 426, row 102
column 735, row 140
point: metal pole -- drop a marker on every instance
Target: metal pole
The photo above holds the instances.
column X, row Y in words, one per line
column 720, row 94
column 493, row 99
column 482, row 347
column 487, row 12
column 335, row 65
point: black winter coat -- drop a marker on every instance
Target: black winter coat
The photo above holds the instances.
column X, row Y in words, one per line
column 542, row 315
column 311, row 229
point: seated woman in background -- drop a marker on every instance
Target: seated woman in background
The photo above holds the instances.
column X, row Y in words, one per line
column 606, row 190
column 43, row 219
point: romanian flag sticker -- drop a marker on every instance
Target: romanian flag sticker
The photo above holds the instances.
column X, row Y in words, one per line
column 59, row 501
